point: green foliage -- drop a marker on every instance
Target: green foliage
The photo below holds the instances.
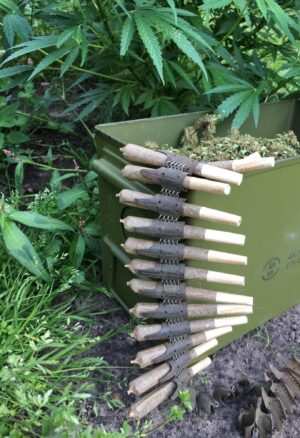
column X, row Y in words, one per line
column 141, row 58
column 14, row 25
column 65, row 66
column 20, row 247
column 40, row 343
column 45, row 378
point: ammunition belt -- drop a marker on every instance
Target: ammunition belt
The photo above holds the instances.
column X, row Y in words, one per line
column 167, row 178
column 178, row 346
column 181, row 163
column 166, row 291
column 165, row 204
column 167, row 230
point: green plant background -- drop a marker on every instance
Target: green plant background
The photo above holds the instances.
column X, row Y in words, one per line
column 66, row 65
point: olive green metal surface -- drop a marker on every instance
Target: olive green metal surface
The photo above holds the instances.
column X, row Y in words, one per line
column 268, row 201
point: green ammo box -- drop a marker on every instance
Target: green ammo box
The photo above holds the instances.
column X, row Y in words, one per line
column 268, row 201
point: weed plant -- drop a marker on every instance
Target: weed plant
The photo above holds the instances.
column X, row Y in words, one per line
column 120, row 59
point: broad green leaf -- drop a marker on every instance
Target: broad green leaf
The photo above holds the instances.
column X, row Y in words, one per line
column 169, row 74
column 188, row 49
column 124, row 96
column 19, row 246
column 89, row 109
column 77, row 249
column 215, row 4
column 232, row 103
column 11, row 71
column 50, row 156
column 126, row 35
column 33, row 45
column 93, row 97
column 122, row 5
column 183, row 74
column 239, row 60
column 57, row 178
column 81, row 40
column 284, row 21
column 125, row 99
column 64, row 37
column 8, row 116
column 244, row 110
column 163, row 106
column 262, row 7
column 206, row 41
column 19, row 176
column 145, row 98
column 93, row 229
column 8, row 6
column 15, row 24
column 36, row 220
column 69, row 197
column 48, row 60
column 292, row 73
column 151, row 42
column 228, row 88
column 172, row 5
column 179, row 12
column 69, row 60
column 2, row 136
column 226, row 56
column 17, row 137
column 256, row 110
column 244, row 8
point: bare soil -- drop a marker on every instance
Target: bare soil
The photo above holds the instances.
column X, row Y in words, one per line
column 248, row 356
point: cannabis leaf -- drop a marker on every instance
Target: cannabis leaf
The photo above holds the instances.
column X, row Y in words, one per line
column 16, row 25
column 172, row 5
column 49, row 59
column 126, row 35
column 245, row 100
column 150, row 41
column 11, row 71
column 188, row 49
column 215, row 4
column 30, row 46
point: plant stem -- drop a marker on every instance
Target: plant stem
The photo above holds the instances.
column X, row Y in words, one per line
column 90, row 72
column 45, row 166
column 91, row 135
column 280, row 85
column 39, row 118
column 102, row 11
column 230, row 32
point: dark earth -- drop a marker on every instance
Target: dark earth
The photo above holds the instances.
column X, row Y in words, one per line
column 248, row 356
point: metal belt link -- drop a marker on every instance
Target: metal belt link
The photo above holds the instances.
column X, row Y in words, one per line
column 174, row 218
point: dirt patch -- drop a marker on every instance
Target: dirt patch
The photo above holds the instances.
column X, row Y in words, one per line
column 247, row 356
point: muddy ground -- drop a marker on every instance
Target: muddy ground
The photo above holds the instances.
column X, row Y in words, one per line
column 247, row 356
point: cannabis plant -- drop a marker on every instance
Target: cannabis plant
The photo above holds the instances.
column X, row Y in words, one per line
column 148, row 57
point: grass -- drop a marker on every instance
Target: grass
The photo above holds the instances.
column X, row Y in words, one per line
column 41, row 367
column 48, row 369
